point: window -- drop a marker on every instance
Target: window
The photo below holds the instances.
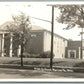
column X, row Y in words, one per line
column 33, row 35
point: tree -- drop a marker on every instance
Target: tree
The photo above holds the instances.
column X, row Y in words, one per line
column 20, row 30
column 72, row 15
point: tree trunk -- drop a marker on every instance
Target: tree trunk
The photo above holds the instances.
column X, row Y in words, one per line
column 22, row 49
column 81, row 43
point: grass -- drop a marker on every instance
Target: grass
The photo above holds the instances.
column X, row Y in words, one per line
column 41, row 61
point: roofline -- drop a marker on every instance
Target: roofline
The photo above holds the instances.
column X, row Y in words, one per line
column 50, row 32
column 58, row 35
column 75, row 40
column 43, row 30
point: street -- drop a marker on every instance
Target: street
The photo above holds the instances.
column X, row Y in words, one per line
column 6, row 73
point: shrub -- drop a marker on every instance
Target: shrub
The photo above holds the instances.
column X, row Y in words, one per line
column 46, row 54
column 80, row 67
column 25, row 54
column 81, row 64
column 34, row 56
column 28, row 55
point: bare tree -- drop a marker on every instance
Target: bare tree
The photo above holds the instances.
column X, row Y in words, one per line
column 20, row 30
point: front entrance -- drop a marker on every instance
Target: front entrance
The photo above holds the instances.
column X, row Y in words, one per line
column 72, row 54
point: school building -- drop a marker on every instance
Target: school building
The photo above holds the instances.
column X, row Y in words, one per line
column 40, row 42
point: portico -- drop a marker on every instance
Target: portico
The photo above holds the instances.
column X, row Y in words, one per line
column 73, row 50
column 2, row 44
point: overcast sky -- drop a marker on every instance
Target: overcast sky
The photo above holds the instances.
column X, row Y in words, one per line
column 38, row 10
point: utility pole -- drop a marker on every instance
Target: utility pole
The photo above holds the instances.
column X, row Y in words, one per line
column 52, row 25
column 52, row 29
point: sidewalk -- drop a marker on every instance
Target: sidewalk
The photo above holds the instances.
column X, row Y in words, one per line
column 15, row 66
column 34, row 67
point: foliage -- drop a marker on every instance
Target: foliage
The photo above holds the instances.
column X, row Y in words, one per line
column 80, row 67
column 80, row 64
column 20, row 31
column 71, row 15
column 20, row 28
column 27, row 55
column 46, row 54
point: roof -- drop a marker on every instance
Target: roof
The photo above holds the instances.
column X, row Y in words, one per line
column 74, row 41
column 35, row 27
column 3, row 27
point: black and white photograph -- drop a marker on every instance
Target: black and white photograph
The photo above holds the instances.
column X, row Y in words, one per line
column 41, row 40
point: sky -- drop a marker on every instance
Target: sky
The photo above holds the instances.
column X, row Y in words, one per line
column 38, row 10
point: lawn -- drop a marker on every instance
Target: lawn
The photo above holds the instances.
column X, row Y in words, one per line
column 41, row 61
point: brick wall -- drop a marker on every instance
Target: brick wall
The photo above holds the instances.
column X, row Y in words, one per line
column 73, row 45
column 35, row 45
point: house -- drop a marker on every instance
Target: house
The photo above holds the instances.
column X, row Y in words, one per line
column 40, row 42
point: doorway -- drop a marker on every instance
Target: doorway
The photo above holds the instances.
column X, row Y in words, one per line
column 72, row 55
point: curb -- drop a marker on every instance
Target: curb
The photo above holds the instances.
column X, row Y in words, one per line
column 33, row 67
column 17, row 67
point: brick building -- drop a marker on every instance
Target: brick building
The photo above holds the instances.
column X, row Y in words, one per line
column 74, row 50
column 40, row 42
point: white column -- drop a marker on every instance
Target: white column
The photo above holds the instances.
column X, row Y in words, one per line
column 83, row 54
column 68, row 53
column 10, row 51
column 19, row 51
column 79, row 53
column 75, row 53
column 2, row 45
